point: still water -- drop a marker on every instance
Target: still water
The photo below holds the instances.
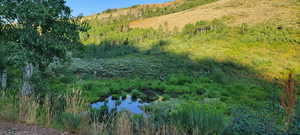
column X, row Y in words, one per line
column 127, row 104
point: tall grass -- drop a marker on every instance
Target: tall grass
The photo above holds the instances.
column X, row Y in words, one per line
column 69, row 112
column 48, row 110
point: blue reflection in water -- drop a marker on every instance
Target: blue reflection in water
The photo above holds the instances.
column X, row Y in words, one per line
column 127, row 104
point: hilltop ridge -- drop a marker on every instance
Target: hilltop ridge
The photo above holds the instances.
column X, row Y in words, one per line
column 234, row 12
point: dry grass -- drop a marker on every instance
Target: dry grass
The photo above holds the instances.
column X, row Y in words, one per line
column 236, row 12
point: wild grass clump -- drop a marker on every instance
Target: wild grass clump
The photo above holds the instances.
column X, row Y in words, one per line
column 198, row 120
column 63, row 112
column 8, row 106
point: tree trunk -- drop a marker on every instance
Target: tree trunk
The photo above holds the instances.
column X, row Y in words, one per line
column 26, row 82
column 3, row 75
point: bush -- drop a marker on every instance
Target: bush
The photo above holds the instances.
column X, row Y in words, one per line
column 294, row 127
column 269, row 33
column 179, row 79
column 135, row 94
column 247, row 122
column 220, row 76
column 216, row 29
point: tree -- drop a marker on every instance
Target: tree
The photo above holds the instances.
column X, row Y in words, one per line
column 44, row 30
column 4, row 62
column 3, row 71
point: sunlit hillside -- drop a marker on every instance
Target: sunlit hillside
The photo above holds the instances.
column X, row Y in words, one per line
column 270, row 30
column 135, row 10
column 235, row 12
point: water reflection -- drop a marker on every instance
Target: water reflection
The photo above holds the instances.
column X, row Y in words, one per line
column 126, row 104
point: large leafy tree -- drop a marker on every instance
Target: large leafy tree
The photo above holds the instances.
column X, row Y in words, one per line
column 43, row 30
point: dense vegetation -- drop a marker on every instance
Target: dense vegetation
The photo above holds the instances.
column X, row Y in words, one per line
column 208, row 78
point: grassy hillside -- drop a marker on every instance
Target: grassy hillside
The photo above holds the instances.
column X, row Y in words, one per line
column 235, row 12
column 250, row 33
column 148, row 10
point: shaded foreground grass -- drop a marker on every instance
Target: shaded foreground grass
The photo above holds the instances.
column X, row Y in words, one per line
column 71, row 113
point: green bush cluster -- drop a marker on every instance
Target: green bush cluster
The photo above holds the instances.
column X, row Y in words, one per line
column 218, row 27
column 117, row 33
column 180, row 86
column 270, row 33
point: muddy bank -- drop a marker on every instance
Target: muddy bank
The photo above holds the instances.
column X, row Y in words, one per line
column 7, row 128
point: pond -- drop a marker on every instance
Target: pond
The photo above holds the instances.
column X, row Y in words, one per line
column 126, row 104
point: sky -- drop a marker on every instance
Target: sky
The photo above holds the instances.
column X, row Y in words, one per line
column 89, row 7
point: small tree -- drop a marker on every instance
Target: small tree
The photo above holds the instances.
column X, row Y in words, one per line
column 43, row 31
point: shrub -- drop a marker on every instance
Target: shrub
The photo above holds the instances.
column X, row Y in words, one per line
column 247, row 122
column 294, row 127
column 220, row 76
column 216, row 29
column 179, row 79
column 135, row 93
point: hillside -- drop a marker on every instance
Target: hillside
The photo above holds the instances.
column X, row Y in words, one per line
column 135, row 10
column 185, row 67
column 235, row 12
column 266, row 21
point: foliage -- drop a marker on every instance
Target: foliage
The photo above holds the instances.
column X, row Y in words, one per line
column 294, row 127
column 42, row 30
column 248, row 122
column 201, row 27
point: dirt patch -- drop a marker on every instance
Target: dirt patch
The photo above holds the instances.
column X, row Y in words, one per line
column 7, row 128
